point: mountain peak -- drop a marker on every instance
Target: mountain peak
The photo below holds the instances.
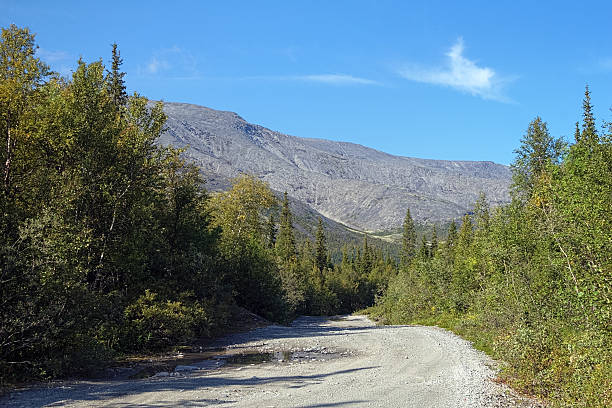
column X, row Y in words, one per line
column 349, row 183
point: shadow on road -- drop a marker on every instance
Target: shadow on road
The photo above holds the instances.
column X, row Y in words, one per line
column 85, row 392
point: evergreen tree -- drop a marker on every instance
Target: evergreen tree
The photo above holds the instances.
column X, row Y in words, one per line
column 538, row 149
column 365, row 264
column 466, row 232
column 408, row 239
column 285, row 241
column 434, row 241
column 452, row 234
column 271, row 231
column 115, row 81
column 577, row 133
column 320, row 247
column 589, row 131
column 424, row 249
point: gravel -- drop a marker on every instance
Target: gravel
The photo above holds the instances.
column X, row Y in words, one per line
column 351, row 363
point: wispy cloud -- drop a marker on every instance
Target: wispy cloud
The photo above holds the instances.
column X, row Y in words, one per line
column 52, row 56
column 606, row 64
column 61, row 61
column 173, row 62
column 462, row 74
column 156, row 65
column 335, row 79
column 330, row 79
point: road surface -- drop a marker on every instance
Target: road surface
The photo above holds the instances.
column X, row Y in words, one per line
column 341, row 362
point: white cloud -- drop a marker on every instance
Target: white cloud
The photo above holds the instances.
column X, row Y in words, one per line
column 336, row 79
column 156, row 65
column 462, row 74
column 173, row 62
column 331, row 79
column 52, row 56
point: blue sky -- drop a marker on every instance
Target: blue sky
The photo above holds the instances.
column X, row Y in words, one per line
column 444, row 80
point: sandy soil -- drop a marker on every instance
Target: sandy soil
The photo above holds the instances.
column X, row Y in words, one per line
column 342, row 362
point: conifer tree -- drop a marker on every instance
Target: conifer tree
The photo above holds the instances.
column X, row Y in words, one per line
column 424, row 250
column 452, row 235
column 116, row 83
column 271, row 231
column 285, row 241
column 589, row 131
column 466, row 232
column 434, row 241
column 538, row 149
column 577, row 133
column 320, row 247
column 366, row 257
column 408, row 239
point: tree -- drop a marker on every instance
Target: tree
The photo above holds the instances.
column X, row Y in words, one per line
column 408, row 239
column 239, row 212
column 114, row 78
column 285, row 241
column 434, row 241
column 21, row 75
column 452, row 234
column 538, row 150
column 320, row 247
column 271, row 231
column 589, row 131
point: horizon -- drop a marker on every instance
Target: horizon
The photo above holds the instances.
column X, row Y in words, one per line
column 438, row 82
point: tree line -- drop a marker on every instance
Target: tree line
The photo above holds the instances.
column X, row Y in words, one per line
column 109, row 243
column 529, row 282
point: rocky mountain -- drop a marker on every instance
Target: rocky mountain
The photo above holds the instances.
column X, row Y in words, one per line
column 352, row 184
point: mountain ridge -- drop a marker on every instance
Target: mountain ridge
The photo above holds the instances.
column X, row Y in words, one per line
column 355, row 185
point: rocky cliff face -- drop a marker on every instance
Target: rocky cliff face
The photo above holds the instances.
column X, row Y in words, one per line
column 349, row 183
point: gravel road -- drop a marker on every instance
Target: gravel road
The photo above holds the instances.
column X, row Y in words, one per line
column 342, row 362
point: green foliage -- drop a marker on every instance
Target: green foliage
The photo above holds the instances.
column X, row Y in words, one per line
column 531, row 282
column 285, row 242
column 320, row 247
column 408, row 239
column 155, row 324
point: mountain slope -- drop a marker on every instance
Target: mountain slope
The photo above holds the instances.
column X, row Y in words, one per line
column 349, row 183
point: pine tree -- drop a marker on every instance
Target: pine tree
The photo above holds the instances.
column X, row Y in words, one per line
column 424, row 249
column 466, row 232
column 408, row 239
column 320, row 247
column 365, row 263
column 538, row 149
column 452, row 234
column 589, row 132
column 285, row 241
column 271, row 231
column 577, row 135
column 434, row 241
column 114, row 78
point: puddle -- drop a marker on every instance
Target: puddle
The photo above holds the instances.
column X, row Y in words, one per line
column 212, row 359
column 280, row 357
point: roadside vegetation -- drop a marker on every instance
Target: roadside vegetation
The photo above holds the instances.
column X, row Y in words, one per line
column 109, row 243
column 531, row 282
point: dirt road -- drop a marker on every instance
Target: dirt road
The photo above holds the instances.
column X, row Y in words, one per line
column 344, row 362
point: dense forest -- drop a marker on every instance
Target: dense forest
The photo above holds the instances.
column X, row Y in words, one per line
column 531, row 282
column 109, row 244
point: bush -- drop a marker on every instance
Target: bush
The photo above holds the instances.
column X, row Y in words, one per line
column 154, row 324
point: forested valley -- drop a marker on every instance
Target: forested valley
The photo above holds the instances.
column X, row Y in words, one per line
column 110, row 245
